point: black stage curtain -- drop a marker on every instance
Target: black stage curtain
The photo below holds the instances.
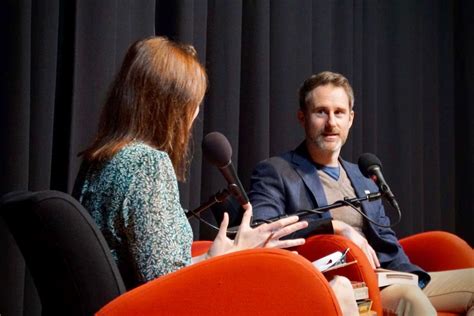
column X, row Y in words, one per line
column 410, row 62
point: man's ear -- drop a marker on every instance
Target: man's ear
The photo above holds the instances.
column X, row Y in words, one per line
column 301, row 117
column 352, row 114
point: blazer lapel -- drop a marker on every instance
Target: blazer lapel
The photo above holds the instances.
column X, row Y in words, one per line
column 308, row 173
column 359, row 183
column 355, row 177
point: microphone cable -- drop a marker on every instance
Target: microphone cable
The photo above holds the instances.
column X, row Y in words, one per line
column 202, row 220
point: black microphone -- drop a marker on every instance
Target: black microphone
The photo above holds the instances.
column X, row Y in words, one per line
column 371, row 167
column 217, row 150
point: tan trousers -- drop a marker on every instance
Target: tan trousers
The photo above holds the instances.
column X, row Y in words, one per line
column 345, row 295
column 448, row 291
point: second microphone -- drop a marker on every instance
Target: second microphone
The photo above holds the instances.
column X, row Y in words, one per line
column 217, row 150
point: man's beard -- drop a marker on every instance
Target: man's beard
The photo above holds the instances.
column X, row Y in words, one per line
column 321, row 144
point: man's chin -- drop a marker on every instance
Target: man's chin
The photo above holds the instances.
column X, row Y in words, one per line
column 327, row 147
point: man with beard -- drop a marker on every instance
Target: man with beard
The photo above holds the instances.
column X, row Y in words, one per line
column 315, row 175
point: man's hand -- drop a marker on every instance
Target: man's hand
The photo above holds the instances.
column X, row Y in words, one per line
column 343, row 229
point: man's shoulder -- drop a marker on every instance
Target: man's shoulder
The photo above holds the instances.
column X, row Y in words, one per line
column 284, row 167
column 279, row 161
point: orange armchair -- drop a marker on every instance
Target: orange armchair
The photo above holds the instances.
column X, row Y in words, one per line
column 258, row 281
column 200, row 247
column 438, row 251
column 433, row 251
column 319, row 246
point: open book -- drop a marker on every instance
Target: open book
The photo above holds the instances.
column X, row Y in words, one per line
column 387, row 277
column 332, row 261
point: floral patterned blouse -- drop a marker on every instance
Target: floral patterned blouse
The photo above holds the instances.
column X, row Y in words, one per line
column 134, row 199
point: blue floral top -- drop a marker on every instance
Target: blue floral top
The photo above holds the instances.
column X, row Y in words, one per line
column 134, row 199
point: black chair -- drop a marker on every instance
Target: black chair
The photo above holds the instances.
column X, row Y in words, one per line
column 64, row 250
column 75, row 274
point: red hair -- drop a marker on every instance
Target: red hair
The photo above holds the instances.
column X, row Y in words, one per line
column 153, row 99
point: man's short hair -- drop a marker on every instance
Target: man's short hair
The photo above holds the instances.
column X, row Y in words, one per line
column 322, row 79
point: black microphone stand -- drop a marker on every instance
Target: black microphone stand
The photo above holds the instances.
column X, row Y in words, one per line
column 354, row 201
column 319, row 210
column 219, row 197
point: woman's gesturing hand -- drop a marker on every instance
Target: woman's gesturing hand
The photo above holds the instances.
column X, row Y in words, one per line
column 263, row 236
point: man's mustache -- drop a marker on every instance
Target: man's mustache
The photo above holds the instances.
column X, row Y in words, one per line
column 331, row 131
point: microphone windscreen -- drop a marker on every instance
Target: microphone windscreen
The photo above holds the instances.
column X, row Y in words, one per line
column 366, row 161
column 216, row 148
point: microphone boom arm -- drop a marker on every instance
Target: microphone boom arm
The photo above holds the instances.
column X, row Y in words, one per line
column 222, row 195
column 354, row 201
column 219, row 197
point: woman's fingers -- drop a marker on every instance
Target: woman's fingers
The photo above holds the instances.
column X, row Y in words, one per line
column 289, row 229
column 288, row 243
column 281, row 223
column 268, row 234
column 223, row 227
column 274, row 239
column 247, row 217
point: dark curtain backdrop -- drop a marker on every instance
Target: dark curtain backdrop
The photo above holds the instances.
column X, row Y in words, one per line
column 410, row 62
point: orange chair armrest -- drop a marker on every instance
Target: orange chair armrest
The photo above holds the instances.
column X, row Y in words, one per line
column 319, row 246
column 257, row 281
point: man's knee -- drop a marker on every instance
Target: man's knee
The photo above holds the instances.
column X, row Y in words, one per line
column 410, row 291
column 341, row 282
column 345, row 295
column 406, row 300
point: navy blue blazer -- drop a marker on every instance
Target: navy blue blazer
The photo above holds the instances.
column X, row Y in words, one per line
column 290, row 183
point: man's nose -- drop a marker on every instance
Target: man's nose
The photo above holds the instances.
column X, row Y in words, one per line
column 331, row 121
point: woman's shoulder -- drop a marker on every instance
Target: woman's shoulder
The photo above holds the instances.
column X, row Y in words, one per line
column 140, row 157
column 137, row 151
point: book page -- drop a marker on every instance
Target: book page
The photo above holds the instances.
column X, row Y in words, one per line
column 333, row 261
column 387, row 277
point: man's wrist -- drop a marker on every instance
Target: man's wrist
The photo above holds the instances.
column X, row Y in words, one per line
column 339, row 227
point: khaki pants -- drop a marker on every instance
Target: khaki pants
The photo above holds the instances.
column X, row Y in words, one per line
column 345, row 295
column 448, row 291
